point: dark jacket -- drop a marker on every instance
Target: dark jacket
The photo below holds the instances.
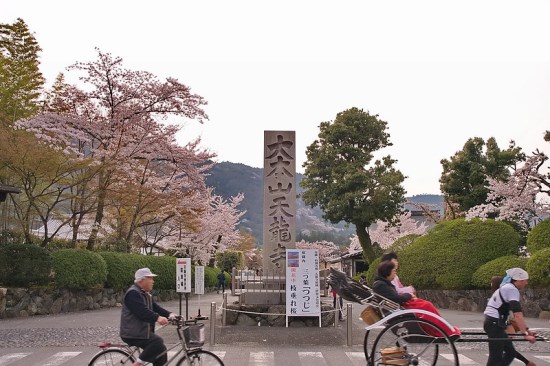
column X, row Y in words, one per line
column 139, row 314
column 221, row 277
column 385, row 288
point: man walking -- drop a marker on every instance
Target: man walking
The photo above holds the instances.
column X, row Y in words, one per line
column 138, row 317
column 503, row 303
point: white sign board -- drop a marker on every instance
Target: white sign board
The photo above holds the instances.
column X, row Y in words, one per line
column 183, row 275
column 199, row 280
column 303, row 296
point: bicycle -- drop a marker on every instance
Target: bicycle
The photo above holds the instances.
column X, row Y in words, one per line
column 190, row 352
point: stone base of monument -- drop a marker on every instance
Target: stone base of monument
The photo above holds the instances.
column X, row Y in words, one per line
column 275, row 316
column 262, row 298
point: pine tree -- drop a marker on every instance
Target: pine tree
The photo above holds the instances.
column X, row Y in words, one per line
column 21, row 81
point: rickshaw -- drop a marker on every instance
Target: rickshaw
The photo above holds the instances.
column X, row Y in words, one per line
column 398, row 336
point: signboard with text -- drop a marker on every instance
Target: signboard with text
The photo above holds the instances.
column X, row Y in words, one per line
column 183, row 275
column 303, row 295
column 199, row 280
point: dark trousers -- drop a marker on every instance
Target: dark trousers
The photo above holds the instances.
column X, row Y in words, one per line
column 152, row 347
column 221, row 286
column 501, row 353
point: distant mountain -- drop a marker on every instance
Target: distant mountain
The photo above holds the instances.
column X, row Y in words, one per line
column 229, row 179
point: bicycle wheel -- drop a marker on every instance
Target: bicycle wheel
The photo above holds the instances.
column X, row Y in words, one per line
column 407, row 342
column 111, row 357
column 201, row 357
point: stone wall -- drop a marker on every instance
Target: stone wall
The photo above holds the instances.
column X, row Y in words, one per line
column 23, row 302
column 535, row 302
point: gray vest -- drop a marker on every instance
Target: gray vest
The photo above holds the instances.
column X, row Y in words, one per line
column 130, row 325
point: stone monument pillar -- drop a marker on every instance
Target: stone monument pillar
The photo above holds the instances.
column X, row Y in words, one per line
column 279, row 213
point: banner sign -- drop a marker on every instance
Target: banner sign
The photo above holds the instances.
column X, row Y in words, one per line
column 303, row 295
column 199, row 280
column 183, row 275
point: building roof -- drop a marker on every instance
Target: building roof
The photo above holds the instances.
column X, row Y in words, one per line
column 5, row 189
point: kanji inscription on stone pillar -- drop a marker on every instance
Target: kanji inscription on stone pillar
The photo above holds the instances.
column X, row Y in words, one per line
column 279, row 213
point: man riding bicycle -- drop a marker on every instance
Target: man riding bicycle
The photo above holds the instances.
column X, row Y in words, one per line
column 138, row 317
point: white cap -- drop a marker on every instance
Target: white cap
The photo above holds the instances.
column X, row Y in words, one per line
column 143, row 272
column 517, row 274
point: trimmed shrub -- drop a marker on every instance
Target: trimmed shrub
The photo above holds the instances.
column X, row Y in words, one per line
column 78, row 269
column 165, row 269
column 229, row 259
column 210, row 276
column 403, row 242
column 371, row 272
column 448, row 255
column 538, row 267
column 121, row 268
column 497, row 267
column 539, row 237
column 24, row 265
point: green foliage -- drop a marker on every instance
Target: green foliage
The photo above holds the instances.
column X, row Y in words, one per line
column 229, row 259
column 403, row 242
column 463, row 179
column 539, row 237
column 210, row 276
column 497, row 267
column 79, row 269
column 165, row 269
column 371, row 272
column 20, row 77
column 121, row 268
column 448, row 255
column 342, row 178
column 538, row 267
column 23, row 265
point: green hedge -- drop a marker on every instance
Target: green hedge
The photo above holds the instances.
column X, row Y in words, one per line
column 538, row 267
column 497, row 267
column 229, row 259
column 24, row 265
column 121, row 268
column 78, row 269
column 448, row 255
column 539, row 237
column 371, row 272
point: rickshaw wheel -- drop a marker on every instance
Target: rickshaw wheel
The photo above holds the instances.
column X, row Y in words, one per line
column 405, row 342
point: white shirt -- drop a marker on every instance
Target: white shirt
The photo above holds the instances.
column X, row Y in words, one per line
column 509, row 293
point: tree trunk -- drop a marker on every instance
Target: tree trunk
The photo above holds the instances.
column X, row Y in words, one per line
column 102, row 195
column 366, row 243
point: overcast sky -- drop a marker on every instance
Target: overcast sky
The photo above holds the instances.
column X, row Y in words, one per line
column 438, row 72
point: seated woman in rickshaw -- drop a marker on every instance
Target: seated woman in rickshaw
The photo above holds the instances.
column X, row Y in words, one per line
column 383, row 286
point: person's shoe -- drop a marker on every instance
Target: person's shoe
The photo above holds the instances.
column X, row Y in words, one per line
column 531, row 363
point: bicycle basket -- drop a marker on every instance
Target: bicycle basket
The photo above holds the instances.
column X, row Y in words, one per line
column 194, row 335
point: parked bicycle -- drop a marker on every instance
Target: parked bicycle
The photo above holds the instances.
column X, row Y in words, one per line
column 189, row 350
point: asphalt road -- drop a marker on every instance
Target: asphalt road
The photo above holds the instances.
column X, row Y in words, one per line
column 72, row 338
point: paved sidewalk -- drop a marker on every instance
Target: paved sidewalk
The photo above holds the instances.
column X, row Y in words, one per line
column 88, row 328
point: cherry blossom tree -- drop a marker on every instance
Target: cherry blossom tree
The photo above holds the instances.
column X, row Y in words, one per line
column 354, row 245
column 517, row 199
column 216, row 230
column 326, row 248
column 385, row 233
column 118, row 118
